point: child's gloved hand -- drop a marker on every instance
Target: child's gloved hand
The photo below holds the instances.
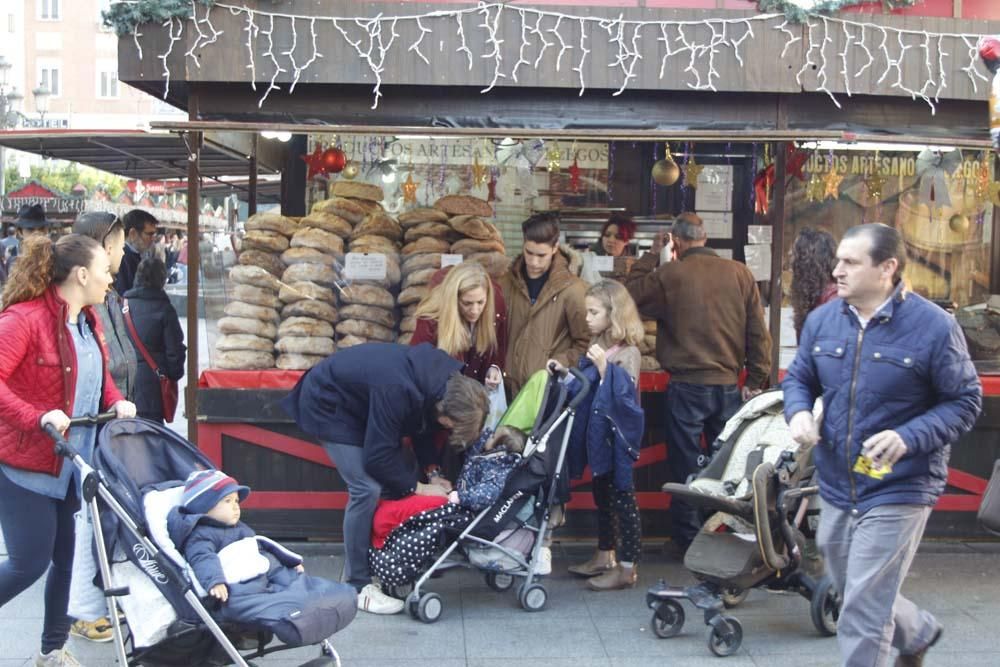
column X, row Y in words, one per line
column 219, row 592
column 300, row 568
column 453, row 497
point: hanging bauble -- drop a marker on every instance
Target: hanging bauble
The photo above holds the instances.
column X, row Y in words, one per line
column 989, row 51
column 350, row 171
column 334, row 160
column 574, row 176
column 315, row 163
column 959, row 223
column 553, row 156
column 666, row 172
column 491, row 188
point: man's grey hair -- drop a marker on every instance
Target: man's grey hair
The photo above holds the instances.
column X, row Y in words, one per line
column 688, row 227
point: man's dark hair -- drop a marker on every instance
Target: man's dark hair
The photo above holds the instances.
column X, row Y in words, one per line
column 887, row 243
column 467, row 404
column 98, row 225
column 137, row 219
column 689, row 227
column 542, row 228
column 151, row 273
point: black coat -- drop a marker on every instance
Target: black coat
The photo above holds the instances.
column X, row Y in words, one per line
column 371, row 396
column 160, row 331
column 125, row 277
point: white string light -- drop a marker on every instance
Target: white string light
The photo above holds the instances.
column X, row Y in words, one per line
column 701, row 41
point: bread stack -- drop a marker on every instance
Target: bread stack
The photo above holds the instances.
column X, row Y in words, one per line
column 426, row 235
column 251, row 320
column 648, row 348
column 267, row 237
column 478, row 239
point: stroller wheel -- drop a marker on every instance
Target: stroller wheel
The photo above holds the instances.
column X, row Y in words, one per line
column 723, row 643
column 668, row 619
column 734, row 597
column 533, row 597
column 429, row 607
column 499, row 581
column 824, row 607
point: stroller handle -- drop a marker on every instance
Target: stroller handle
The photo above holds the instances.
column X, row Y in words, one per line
column 62, row 446
column 584, row 387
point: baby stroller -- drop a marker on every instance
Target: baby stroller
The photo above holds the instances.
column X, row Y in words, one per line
column 758, row 486
column 138, row 465
column 532, row 489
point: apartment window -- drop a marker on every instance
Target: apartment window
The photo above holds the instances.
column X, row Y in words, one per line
column 48, row 10
column 108, row 85
column 48, row 77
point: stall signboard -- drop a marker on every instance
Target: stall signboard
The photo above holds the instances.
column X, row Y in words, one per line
column 364, row 266
column 448, row 259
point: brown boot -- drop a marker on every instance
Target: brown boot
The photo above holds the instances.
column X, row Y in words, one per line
column 614, row 579
column 599, row 563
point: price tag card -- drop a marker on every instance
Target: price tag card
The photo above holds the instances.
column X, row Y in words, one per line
column 364, row 266
column 450, row 260
column 604, row 263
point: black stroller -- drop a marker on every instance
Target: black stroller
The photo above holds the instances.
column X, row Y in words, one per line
column 758, row 486
column 135, row 460
column 532, row 489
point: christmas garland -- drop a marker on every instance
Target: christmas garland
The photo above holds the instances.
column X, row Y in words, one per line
column 797, row 13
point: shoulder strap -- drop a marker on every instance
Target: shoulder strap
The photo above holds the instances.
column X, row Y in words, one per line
column 138, row 341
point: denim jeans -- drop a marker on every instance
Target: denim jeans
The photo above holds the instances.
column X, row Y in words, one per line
column 363, row 495
column 693, row 409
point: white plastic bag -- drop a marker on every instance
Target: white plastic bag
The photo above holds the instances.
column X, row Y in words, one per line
column 498, row 405
column 86, row 601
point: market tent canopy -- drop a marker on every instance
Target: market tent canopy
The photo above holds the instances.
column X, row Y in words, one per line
column 145, row 155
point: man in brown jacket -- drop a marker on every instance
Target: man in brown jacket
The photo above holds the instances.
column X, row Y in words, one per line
column 710, row 325
column 546, row 318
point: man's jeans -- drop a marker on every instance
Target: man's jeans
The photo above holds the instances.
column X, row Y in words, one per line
column 363, row 495
column 868, row 557
column 693, row 409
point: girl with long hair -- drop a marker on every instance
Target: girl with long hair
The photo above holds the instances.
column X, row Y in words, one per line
column 54, row 365
column 608, row 433
column 814, row 254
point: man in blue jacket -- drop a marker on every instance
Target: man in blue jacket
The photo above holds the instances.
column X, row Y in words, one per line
column 898, row 389
column 360, row 403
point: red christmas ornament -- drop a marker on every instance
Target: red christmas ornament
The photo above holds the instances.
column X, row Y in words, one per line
column 491, row 185
column 574, row 176
column 989, row 51
column 315, row 162
column 334, row 160
column 796, row 160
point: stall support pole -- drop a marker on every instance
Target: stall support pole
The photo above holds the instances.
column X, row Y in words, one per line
column 194, row 267
column 777, row 251
column 252, row 185
column 995, row 240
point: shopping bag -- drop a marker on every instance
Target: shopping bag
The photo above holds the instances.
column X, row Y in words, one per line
column 498, row 406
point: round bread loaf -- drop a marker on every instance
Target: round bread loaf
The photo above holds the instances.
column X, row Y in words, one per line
column 495, row 263
column 271, row 222
column 374, row 243
column 404, row 338
column 420, row 261
column 413, row 295
column 272, row 242
column 421, row 277
column 307, row 256
column 339, row 206
column 647, row 345
column 418, row 215
column 649, row 364
column 315, row 273
column 305, row 327
column 314, row 308
column 378, row 224
column 244, row 342
column 464, row 205
column 297, row 362
column 410, row 310
column 317, row 239
column 265, row 260
column 244, row 325
column 303, row 289
column 257, row 296
column 474, row 227
column 649, row 326
column 374, row 314
column 435, row 230
column 250, row 311
column 345, row 342
column 321, row 347
column 243, row 360
column 368, row 205
column 426, row 244
column 467, row 247
column 368, row 330
column 357, row 190
column 328, row 222
column 368, row 295
column 408, row 325
column 253, row 275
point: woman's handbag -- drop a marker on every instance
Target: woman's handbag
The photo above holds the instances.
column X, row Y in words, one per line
column 989, row 508
column 168, row 387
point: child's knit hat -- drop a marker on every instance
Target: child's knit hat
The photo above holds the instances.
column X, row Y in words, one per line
column 205, row 488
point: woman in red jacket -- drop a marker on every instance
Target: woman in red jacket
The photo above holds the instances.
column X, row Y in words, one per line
column 54, row 365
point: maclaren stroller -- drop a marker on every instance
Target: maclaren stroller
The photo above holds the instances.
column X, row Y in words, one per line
column 533, row 487
column 137, row 477
column 758, row 484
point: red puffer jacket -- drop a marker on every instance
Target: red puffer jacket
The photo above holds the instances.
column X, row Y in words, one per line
column 38, row 374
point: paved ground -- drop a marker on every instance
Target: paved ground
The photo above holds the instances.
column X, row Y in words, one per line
column 958, row 581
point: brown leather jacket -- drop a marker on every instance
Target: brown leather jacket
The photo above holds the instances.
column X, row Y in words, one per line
column 709, row 319
column 555, row 327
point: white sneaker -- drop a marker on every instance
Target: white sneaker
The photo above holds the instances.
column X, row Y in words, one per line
column 57, row 658
column 544, row 564
column 374, row 601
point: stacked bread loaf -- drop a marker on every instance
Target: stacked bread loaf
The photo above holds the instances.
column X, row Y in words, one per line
column 251, row 320
column 427, row 236
column 648, row 347
column 478, row 239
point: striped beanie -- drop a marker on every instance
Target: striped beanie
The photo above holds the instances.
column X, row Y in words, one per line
column 205, row 488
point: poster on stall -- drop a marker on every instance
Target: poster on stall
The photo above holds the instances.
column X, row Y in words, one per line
column 449, row 259
column 759, row 234
column 364, row 266
column 715, row 189
column 718, row 224
column 758, row 259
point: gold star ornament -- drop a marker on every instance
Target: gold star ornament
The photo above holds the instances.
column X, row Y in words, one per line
column 995, row 192
column 875, row 184
column 831, row 184
column 692, row 170
column 410, row 189
column 480, row 174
